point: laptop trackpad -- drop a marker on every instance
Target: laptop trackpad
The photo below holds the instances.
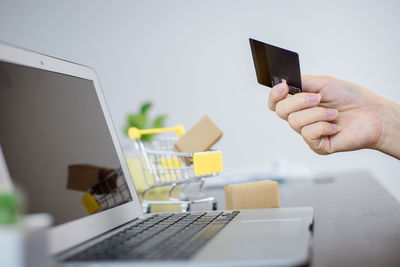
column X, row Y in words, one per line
column 262, row 239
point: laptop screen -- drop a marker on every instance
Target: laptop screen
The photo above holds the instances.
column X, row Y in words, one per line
column 57, row 144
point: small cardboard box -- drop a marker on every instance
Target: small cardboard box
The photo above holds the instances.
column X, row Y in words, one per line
column 201, row 137
column 255, row 195
column 82, row 177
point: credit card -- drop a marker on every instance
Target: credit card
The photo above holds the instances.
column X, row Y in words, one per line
column 274, row 65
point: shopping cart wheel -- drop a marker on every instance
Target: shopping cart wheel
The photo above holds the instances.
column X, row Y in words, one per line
column 185, row 207
column 214, row 205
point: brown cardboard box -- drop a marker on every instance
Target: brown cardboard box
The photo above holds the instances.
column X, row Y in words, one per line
column 82, row 177
column 201, row 137
column 255, row 195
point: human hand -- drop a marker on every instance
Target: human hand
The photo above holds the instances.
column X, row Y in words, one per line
column 333, row 115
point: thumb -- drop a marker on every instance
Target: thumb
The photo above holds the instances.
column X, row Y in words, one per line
column 313, row 84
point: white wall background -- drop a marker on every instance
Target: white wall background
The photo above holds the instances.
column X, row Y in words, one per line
column 192, row 58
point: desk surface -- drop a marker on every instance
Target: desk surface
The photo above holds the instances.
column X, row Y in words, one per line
column 356, row 221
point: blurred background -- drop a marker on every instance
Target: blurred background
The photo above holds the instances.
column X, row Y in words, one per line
column 192, row 58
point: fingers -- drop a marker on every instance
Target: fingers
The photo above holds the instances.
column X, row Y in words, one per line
column 313, row 84
column 315, row 135
column 299, row 119
column 277, row 93
column 295, row 103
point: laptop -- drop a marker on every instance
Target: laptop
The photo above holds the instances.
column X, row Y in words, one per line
column 56, row 132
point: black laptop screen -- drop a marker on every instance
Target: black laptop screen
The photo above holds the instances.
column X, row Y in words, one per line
column 57, row 144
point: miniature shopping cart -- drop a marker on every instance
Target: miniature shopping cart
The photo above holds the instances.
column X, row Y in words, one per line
column 111, row 191
column 162, row 166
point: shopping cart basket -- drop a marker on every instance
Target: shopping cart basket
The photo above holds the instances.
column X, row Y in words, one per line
column 162, row 166
column 111, row 191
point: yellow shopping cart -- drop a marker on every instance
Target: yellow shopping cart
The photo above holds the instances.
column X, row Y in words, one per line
column 111, row 191
column 162, row 166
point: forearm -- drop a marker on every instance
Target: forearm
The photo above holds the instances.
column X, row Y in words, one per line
column 389, row 141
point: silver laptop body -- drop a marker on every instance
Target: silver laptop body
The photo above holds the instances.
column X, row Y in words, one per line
column 54, row 119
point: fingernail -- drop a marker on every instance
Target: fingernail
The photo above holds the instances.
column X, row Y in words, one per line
column 332, row 113
column 313, row 98
column 280, row 88
column 336, row 127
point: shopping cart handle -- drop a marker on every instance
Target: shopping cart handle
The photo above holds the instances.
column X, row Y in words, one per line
column 135, row 133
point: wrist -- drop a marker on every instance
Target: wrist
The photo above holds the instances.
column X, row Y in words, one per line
column 389, row 139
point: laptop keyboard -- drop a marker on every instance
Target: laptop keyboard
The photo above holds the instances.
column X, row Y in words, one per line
column 160, row 237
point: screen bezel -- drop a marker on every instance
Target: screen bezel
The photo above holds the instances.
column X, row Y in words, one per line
column 83, row 229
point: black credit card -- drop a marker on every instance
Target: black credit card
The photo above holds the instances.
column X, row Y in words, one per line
column 274, row 64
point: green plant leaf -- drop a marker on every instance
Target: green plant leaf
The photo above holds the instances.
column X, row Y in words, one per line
column 141, row 121
column 159, row 121
column 147, row 137
column 145, row 108
column 137, row 120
